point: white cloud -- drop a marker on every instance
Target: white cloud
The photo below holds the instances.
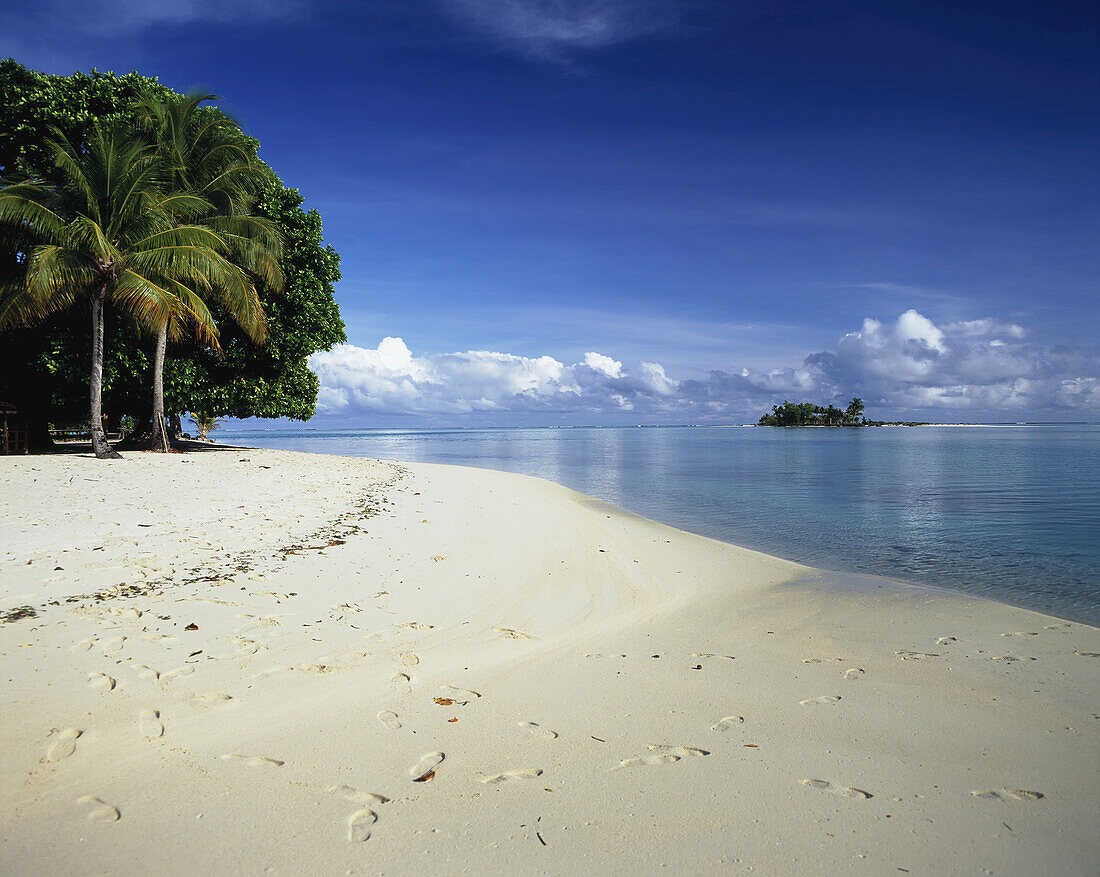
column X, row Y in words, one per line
column 390, row 379
column 910, row 368
column 546, row 28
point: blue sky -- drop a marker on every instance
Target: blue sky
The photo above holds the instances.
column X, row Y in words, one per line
column 619, row 211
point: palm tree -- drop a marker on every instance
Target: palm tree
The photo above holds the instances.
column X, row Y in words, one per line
column 108, row 233
column 203, row 154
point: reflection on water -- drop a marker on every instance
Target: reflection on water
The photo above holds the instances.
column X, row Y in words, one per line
column 1012, row 514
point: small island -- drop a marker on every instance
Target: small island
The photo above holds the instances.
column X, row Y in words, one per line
column 812, row 414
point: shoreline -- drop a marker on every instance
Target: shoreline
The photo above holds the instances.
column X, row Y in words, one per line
column 1059, row 612
column 361, row 624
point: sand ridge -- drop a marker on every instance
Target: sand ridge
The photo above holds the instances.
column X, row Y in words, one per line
column 254, row 660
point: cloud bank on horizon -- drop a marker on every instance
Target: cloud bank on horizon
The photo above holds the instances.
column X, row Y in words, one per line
column 910, row 368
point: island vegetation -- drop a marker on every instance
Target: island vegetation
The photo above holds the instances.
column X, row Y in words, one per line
column 812, row 414
column 147, row 217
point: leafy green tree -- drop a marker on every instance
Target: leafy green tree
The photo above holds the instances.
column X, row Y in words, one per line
column 43, row 367
column 204, row 154
column 107, row 233
column 855, row 409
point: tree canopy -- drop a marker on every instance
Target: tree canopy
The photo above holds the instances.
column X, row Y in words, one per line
column 810, row 414
column 44, row 367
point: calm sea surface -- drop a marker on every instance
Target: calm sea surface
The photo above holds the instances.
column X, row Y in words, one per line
column 1009, row 513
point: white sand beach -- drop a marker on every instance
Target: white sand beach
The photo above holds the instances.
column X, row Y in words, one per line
column 254, row 661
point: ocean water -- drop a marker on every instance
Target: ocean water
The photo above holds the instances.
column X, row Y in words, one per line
column 1008, row 513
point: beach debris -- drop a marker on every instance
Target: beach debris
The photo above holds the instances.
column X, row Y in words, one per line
column 512, row 634
column 449, row 701
column 455, row 719
column 192, row 626
column 19, row 613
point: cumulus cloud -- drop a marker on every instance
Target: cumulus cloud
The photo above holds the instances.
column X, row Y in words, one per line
column 547, row 28
column 909, row 367
column 390, row 379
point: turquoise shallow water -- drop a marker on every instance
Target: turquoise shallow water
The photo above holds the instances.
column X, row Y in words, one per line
column 1012, row 514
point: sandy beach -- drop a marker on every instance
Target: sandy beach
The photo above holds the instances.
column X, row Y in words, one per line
column 250, row 661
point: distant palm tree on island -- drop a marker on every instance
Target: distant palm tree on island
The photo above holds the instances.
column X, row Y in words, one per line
column 809, row 414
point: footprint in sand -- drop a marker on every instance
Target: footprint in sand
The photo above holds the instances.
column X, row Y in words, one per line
column 408, row 659
column 254, row 760
column 914, row 656
column 727, row 722
column 524, row 774
column 99, row 810
column 64, row 746
column 424, row 770
column 178, row 673
column 416, row 625
column 1009, row 659
column 1086, row 654
column 101, row 681
column 843, row 791
column 150, row 724
column 215, row 698
column 389, row 719
column 821, row 660
column 1022, row 633
column 154, row 637
column 946, row 640
column 512, row 634
column 853, row 673
column 246, row 646
column 359, row 825
column 462, row 695
column 401, row 682
column 84, row 645
column 661, row 753
column 145, row 672
column 113, row 645
column 536, row 730
column 356, row 796
column 1011, row 794
column 823, row 699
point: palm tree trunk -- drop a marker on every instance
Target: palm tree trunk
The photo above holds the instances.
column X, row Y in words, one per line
column 158, row 436
column 99, row 439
